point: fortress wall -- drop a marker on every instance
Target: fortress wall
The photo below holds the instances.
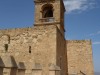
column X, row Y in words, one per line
column 30, row 45
column 79, row 55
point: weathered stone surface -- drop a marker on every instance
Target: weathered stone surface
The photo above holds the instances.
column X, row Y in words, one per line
column 79, row 55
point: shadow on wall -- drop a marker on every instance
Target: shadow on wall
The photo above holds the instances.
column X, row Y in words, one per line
column 1, row 66
column 13, row 62
column 61, row 53
column 8, row 65
column 14, row 68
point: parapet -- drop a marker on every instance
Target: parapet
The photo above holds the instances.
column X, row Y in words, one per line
column 79, row 41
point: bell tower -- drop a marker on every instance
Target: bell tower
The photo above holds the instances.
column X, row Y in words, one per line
column 49, row 12
column 49, row 17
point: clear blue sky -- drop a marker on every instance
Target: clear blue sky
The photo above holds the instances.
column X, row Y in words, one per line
column 82, row 20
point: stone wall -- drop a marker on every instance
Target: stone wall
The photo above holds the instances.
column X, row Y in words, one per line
column 30, row 46
column 79, row 55
column 28, row 51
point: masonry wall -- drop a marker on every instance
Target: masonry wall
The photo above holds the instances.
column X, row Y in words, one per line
column 79, row 55
column 30, row 46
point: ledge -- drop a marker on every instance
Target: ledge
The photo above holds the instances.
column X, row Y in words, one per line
column 46, row 23
column 53, row 67
column 37, row 66
column 40, row 1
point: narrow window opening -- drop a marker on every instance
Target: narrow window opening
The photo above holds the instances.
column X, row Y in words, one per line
column 6, row 47
column 29, row 49
column 9, row 39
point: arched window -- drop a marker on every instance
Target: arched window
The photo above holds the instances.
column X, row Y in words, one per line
column 47, row 11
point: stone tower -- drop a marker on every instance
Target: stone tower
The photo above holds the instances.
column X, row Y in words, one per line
column 50, row 14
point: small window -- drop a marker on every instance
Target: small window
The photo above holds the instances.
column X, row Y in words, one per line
column 6, row 47
column 29, row 49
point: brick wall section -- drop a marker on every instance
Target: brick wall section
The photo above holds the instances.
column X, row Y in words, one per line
column 79, row 55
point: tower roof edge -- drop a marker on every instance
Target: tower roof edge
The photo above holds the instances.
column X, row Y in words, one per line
column 63, row 5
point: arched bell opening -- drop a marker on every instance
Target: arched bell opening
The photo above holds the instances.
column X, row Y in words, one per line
column 47, row 11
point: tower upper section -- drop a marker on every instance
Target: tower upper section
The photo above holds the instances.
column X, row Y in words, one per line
column 49, row 11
